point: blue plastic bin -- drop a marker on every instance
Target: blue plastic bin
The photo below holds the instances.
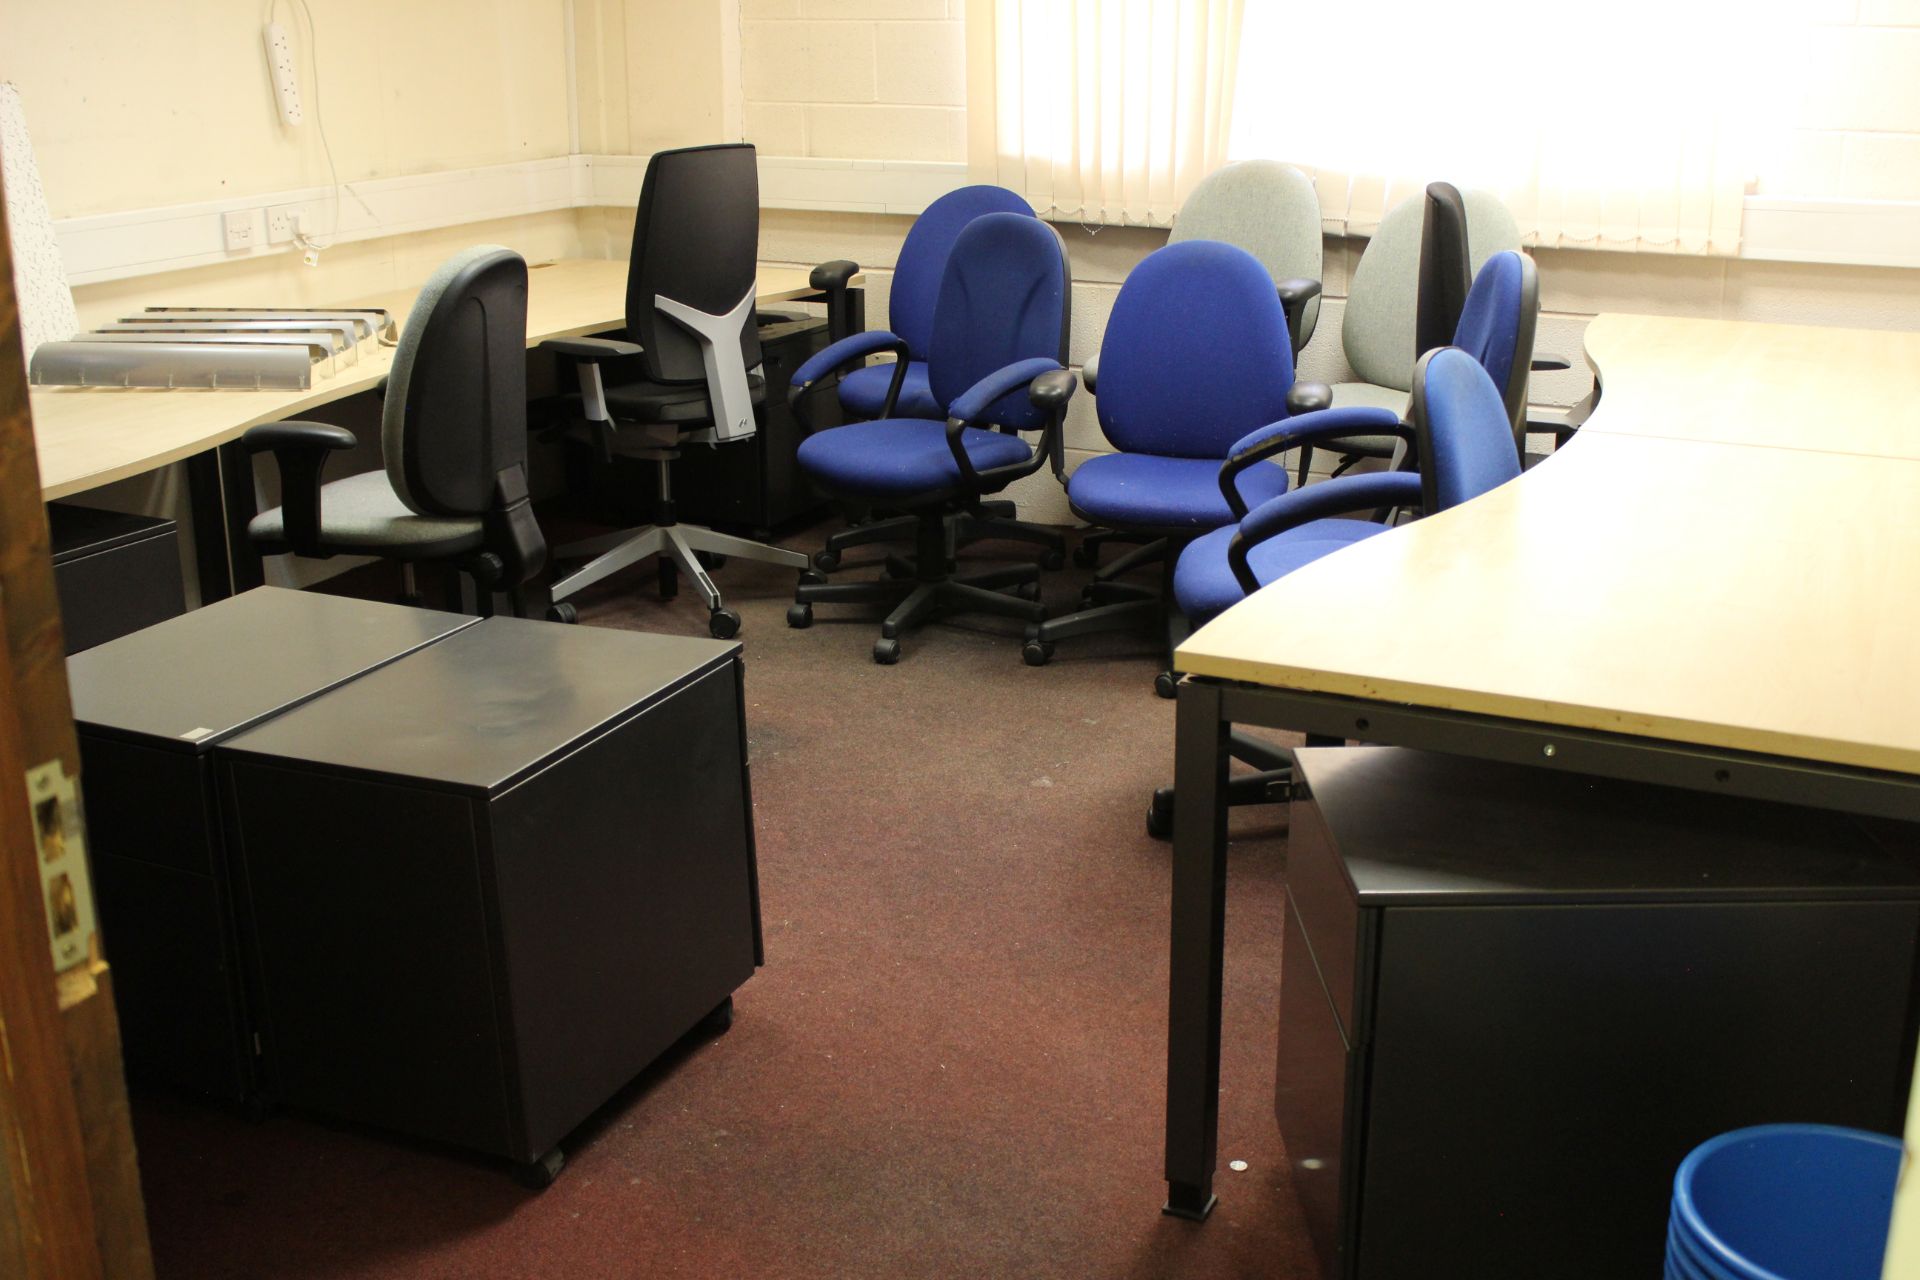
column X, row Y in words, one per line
column 1783, row 1202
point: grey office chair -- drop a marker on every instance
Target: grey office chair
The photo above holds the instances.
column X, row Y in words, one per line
column 1381, row 329
column 691, row 331
column 453, row 434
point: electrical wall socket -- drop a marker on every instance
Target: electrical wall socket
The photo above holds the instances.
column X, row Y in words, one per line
column 284, row 221
column 238, row 229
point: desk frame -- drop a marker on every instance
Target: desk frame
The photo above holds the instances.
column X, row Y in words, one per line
column 1208, row 708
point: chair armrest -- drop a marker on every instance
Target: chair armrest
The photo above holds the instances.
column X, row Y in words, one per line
column 1295, row 294
column 591, row 350
column 1307, row 429
column 1308, row 397
column 1339, row 496
column 831, row 279
column 1090, row 372
column 1550, row 364
column 300, row 452
column 977, row 399
column 974, row 402
column 836, row 359
column 1050, row 393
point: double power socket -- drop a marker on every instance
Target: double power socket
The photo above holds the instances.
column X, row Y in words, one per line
column 244, row 229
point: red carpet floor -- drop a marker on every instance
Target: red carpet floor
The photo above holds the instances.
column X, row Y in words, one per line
column 952, row 1063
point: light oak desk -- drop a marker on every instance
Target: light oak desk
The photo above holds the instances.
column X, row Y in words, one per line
column 1713, row 586
column 88, row 437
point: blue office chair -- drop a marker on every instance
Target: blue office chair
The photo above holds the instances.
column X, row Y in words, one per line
column 1195, row 356
column 1461, row 434
column 864, row 390
column 996, row 362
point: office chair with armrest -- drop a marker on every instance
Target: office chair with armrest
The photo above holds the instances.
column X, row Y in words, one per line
column 996, row 361
column 866, row 390
column 1197, row 354
column 454, row 437
column 1405, row 298
column 1461, row 432
column 691, row 332
column 1270, row 210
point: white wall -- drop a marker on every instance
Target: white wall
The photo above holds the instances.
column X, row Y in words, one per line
column 1851, row 121
column 855, row 79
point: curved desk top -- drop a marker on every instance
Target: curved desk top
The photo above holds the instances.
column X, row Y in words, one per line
column 1727, row 555
column 88, row 437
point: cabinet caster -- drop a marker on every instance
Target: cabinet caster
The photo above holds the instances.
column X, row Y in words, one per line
column 1160, row 814
column 1166, row 684
column 563, row 612
column 538, row 1174
column 720, row 1021
column 826, row 561
column 886, row 651
column 723, row 624
column 669, row 579
column 800, row 616
column 1036, row 652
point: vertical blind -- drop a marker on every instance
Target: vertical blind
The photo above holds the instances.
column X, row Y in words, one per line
column 1624, row 126
column 1111, row 110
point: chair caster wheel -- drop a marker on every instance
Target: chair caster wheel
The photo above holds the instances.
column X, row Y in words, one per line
column 720, row 1021
column 799, row 616
column 886, row 651
column 1085, row 557
column 538, row 1174
column 1160, row 814
column 563, row 612
column 723, row 624
column 1036, row 652
column 811, row 577
column 898, row 567
column 826, row 561
column 1166, row 684
column 711, row 559
column 669, row 580
column 1028, row 591
column 1053, row 560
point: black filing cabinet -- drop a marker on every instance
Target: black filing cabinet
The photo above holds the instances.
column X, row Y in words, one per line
column 493, row 882
column 1512, row 1000
column 150, row 709
column 115, row 573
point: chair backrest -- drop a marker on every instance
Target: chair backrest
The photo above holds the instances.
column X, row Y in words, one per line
column 1378, row 327
column 1497, row 326
column 1006, row 296
column 456, row 407
column 917, row 273
column 1444, row 272
column 1461, row 433
column 1267, row 208
column 696, row 242
column 1195, row 354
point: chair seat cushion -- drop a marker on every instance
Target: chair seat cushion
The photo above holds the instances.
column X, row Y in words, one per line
column 1203, row 581
column 900, row 458
column 1368, row 395
column 362, row 514
column 863, row 393
column 1146, row 491
column 671, row 401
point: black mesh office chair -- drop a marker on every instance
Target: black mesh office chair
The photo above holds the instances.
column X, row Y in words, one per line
column 454, row 436
column 690, row 331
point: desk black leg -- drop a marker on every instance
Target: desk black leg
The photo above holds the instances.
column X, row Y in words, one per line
column 236, row 487
column 205, row 498
column 1199, row 919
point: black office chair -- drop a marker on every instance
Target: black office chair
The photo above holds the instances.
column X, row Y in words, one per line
column 454, row 436
column 691, row 331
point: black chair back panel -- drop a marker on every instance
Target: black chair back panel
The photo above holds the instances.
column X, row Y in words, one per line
column 465, row 411
column 696, row 240
column 1446, row 272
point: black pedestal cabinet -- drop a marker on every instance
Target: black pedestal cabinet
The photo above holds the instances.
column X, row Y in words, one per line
column 492, row 883
column 151, row 708
column 1512, row 1000
column 115, row 573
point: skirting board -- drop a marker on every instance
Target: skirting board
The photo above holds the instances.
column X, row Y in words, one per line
column 140, row 242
